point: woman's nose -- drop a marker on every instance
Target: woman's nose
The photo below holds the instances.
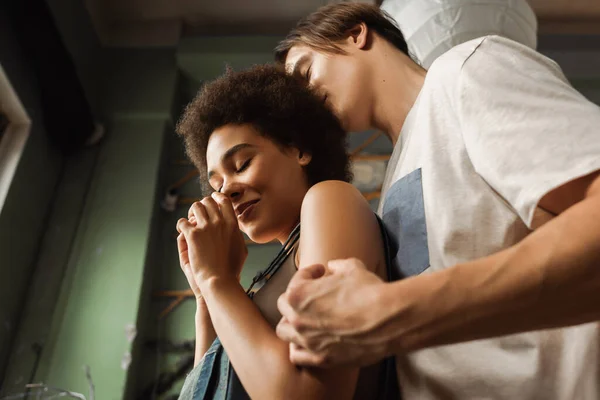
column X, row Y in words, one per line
column 233, row 191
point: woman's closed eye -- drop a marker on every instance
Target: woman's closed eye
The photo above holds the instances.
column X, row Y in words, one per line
column 244, row 165
column 239, row 170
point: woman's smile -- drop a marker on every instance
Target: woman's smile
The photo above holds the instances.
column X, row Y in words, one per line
column 245, row 210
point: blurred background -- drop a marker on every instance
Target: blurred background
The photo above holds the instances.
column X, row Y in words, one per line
column 93, row 177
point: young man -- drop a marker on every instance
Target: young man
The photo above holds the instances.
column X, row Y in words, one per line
column 492, row 199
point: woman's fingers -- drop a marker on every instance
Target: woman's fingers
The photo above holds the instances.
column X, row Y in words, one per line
column 184, row 226
column 226, row 208
column 198, row 211
column 212, row 209
column 183, row 250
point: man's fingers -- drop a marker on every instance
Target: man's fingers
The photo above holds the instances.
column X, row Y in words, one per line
column 226, row 207
column 302, row 281
column 305, row 358
column 286, row 332
column 310, row 272
column 340, row 266
column 285, row 308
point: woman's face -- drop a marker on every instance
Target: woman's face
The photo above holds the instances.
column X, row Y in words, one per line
column 265, row 183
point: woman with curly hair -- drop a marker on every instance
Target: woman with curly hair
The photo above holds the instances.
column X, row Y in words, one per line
column 274, row 158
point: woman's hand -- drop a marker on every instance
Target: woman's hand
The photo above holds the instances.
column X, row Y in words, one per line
column 184, row 263
column 214, row 246
column 205, row 332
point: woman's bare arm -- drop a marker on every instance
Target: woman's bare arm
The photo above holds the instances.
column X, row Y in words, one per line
column 205, row 332
column 336, row 223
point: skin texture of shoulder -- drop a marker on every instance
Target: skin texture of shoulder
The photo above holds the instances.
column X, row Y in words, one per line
column 336, row 223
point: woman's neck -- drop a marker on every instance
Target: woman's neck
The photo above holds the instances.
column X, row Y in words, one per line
column 284, row 235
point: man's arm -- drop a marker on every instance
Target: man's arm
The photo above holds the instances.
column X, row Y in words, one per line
column 550, row 279
column 531, row 137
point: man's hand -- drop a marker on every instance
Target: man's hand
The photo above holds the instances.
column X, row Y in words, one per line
column 330, row 316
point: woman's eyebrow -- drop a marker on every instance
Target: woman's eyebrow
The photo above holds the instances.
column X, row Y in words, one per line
column 230, row 153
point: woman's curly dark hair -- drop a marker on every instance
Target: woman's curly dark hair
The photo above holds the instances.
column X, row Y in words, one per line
column 280, row 107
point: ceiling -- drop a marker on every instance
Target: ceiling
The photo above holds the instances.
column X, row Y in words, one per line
column 162, row 22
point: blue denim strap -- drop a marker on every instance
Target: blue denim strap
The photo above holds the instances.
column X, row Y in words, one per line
column 389, row 388
column 209, row 372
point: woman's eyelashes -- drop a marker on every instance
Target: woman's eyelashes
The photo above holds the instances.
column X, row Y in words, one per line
column 239, row 170
column 244, row 165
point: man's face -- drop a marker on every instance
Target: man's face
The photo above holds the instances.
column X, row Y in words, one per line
column 341, row 79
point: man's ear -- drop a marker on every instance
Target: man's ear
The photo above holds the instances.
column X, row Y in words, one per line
column 358, row 36
column 304, row 158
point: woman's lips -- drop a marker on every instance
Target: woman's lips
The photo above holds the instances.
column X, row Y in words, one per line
column 244, row 210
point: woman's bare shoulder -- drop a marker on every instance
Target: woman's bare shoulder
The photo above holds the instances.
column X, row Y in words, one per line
column 337, row 222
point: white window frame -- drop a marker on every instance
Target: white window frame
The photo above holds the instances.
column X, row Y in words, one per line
column 15, row 137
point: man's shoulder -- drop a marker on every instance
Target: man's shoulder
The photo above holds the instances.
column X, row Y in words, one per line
column 452, row 61
column 488, row 51
column 491, row 61
column 445, row 71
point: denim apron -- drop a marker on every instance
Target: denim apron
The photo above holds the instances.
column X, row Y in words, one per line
column 215, row 379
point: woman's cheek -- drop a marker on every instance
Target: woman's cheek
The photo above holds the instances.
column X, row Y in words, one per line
column 257, row 175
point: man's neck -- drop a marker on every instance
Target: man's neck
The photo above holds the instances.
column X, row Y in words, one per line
column 397, row 81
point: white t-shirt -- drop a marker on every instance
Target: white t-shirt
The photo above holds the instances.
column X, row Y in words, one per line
column 495, row 127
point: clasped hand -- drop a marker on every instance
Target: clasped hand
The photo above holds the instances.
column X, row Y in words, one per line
column 210, row 243
column 335, row 316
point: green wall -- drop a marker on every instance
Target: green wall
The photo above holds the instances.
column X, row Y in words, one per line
column 199, row 59
column 104, row 243
column 50, row 188
column 90, row 216
column 102, row 293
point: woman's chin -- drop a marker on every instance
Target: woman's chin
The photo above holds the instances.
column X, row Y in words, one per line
column 261, row 239
column 259, row 236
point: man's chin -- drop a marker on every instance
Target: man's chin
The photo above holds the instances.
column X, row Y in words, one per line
column 350, row 125
column 355, row 126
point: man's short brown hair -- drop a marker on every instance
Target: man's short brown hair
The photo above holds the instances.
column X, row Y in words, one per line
column 330, row 24
column 280, row 107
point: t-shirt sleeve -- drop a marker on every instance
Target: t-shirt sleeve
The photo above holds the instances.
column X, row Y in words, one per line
column 525, row 128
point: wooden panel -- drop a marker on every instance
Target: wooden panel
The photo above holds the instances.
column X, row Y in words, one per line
column 566, row 9
column 569, row 27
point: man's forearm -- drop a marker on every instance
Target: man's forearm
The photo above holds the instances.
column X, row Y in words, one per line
column 548, row 280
